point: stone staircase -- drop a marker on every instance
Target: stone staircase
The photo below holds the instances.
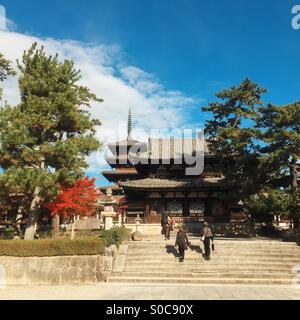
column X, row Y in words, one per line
column 235, row 261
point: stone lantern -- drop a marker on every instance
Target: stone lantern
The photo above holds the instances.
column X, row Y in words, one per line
column 108, row 214
column 137, row 235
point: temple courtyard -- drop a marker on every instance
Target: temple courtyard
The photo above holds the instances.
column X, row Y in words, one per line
column 249, row 269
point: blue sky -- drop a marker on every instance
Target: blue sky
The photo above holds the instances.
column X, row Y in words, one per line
column 192, row 46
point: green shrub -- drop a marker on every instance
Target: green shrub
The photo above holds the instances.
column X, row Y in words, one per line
column 47, row 248
column 7, row 233
column 87, row 233
column 290, row 236
column 115, row 236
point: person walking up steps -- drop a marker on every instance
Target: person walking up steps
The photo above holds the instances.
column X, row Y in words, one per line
column 165, row 225
column 207, row 237
column 182, row 242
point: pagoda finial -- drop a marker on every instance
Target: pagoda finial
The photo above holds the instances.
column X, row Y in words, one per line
column 129, row 127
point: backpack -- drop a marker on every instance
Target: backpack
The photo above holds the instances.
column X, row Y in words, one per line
column 164, row 219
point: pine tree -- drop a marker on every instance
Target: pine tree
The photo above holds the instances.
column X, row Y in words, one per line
column 5, row 71
column 232, row 136
column 280, row 126
column 46, row 138
column 269, row 203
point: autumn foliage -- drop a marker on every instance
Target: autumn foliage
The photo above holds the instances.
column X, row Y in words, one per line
column 122, row 205
column 77, row 200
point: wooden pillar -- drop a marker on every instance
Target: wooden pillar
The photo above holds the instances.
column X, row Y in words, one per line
column 186, row 205
column 226, row 207
column 147, row 211
column 166, row 203
column 163, row 202
column 209, row 206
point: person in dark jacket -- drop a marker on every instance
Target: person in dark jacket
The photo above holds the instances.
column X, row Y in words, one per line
column 182, row 242
column 165, row 225
column 207, row 237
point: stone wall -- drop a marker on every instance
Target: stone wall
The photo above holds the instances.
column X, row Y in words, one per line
column 89, row 223
column 234, row 229
column 146, row 229
column 57, row 270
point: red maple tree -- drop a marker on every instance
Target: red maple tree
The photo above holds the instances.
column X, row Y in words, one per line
column 78, row 200
column 122, row 205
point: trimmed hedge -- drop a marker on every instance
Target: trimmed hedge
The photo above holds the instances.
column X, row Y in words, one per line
column 87, row 233
column 7, row 233
column 49, row 248
column 115, row 236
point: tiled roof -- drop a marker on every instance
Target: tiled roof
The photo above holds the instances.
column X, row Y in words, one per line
column 120, row 172
column 174, row 148
column 127, row 142
column 163, row 148
column 112, row 187
column 155, row 183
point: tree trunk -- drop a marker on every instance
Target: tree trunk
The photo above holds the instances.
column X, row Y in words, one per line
column 294, row 176
column 55, row 223
column 33, row 215
column 34, row 211
column 294, row 187
column 73, row 230
column 19, row 217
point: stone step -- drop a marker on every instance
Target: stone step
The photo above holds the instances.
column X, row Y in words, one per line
column 210, row 268
column 215, row 254
column 231, row 274
column 235, row 261
column 225, row 242
column 211, row 264
column 197, row 249
column 205, row 265
column 218, row 251
column 229, row 253
column 158, row 280
column 219, row 239
column 201, row 263
column 173, row 236
column 143, row 246
column 219, row 259
column 217, row 245
column 197, row 236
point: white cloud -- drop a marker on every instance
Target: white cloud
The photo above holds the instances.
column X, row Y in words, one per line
column 2, row 18
column 121, row 86
column 5, row 23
